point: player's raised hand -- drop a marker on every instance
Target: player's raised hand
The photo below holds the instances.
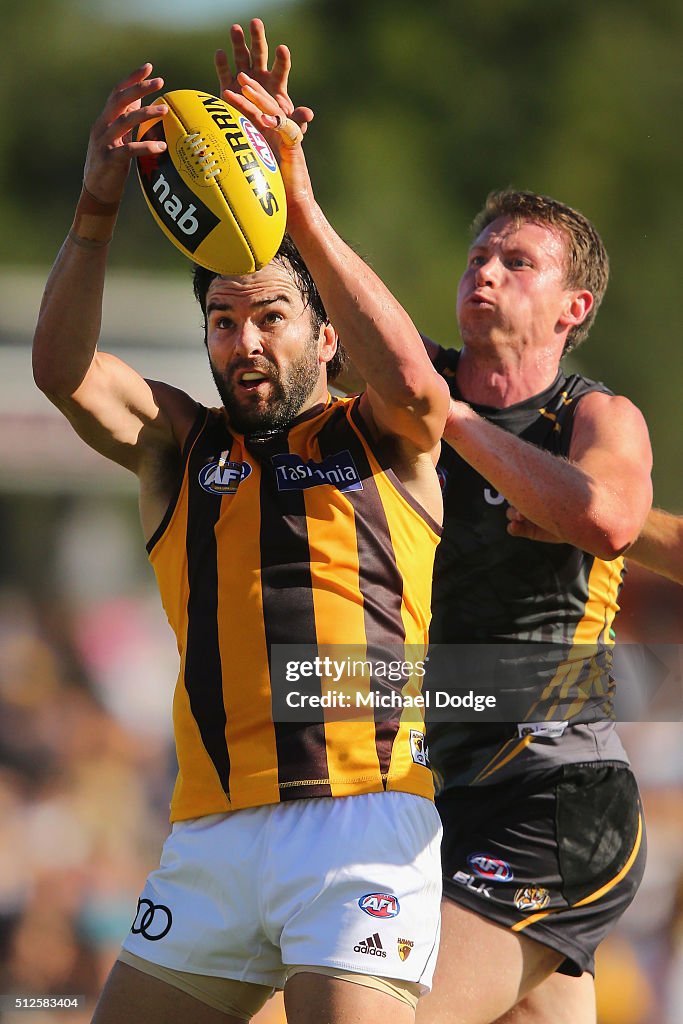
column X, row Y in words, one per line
column 111, row 147
column 284, row 135
column 253, row 61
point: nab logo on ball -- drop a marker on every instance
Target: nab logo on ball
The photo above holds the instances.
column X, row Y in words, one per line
column 490, row 867
column 178, row 208
column 258, row 144
column 379, row 904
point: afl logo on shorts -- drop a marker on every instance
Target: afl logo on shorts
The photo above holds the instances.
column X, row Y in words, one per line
column 379, row 904
column 152, row 920
column 223, row 479
column 490, row 867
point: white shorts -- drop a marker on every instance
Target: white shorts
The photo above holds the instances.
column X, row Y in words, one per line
column 352, row 883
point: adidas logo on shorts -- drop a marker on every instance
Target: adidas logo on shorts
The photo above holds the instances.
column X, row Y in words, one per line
column 370, row 946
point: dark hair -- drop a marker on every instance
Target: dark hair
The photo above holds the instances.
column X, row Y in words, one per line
column 586, row 260
column 289, row 256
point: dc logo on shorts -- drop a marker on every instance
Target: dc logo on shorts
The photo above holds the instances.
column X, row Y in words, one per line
column 152, row 920
column 490, row 867
column 379, row 904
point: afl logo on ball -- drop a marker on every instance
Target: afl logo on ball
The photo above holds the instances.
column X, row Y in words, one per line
column 152, row 920
column 379, row 904
column 259, row 144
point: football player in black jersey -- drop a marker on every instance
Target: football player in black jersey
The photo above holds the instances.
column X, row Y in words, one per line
column 546, row 483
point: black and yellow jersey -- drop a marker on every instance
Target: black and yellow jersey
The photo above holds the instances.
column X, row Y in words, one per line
column 509, row 597
column 299, row 538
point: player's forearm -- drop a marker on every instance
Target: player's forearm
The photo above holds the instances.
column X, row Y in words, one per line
column 68, row 328
column 660, row 545
column 550, row 491
column 379, row 336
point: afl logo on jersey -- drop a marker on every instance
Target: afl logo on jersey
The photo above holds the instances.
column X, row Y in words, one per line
column 379, row 904
column 223, row 478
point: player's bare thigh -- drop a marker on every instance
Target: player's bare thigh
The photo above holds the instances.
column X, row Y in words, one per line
column 312, row 998
column 131, row 997
column 483, row 970
column 559, row 999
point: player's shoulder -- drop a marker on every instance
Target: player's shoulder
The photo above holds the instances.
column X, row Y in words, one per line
column 178, row 409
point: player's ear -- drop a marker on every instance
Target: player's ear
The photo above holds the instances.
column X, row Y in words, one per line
column 327, row 342
column 576, row 308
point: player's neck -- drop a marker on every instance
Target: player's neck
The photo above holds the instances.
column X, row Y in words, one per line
column 503, row 378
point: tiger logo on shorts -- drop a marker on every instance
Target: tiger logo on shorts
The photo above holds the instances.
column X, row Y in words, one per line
column 532, row 897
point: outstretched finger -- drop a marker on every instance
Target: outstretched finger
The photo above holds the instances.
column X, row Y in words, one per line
column 223, row 70
column 282, row 65
column 240, row 50
column 259, row 45
column 129, row 94
column 120, row 129
column 255, row 92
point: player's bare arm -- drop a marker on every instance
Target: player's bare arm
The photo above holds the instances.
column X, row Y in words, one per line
column 596, row 500
column 405, row 398
column 660, row 545
column 136, row 423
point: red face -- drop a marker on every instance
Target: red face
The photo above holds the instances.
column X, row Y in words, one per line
column 265, row 353
column 514, row 287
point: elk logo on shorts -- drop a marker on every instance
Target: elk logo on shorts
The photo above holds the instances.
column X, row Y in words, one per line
column 532, row 897
column 404, row 948
column 379, row 904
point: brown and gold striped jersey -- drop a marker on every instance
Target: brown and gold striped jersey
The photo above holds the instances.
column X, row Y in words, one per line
column 299, row 538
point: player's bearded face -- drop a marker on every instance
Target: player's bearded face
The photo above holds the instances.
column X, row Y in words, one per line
column 278, row 398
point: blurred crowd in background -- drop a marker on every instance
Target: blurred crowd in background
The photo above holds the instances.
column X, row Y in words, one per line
column 87, row 668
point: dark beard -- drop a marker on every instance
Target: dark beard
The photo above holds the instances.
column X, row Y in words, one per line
column 289, row 392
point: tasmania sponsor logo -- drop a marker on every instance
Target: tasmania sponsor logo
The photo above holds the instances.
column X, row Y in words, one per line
column 532, row 897
column 404, row 948
column 379, row 904
column 371, row 946
column 490, row 867
column 259, row 144
column 292, row 473
column 221, row 478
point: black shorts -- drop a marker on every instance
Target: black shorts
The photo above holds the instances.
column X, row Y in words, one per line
column 557, row 858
